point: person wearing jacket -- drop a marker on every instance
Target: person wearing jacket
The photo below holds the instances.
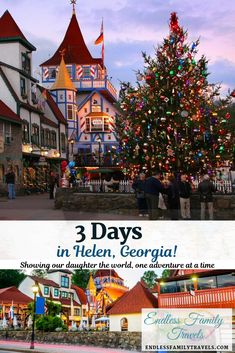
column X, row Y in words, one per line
column 139, row 187
column 206, row 189
column 153, row 187
column 10, row 181
column 184, row 193
column 173, row 198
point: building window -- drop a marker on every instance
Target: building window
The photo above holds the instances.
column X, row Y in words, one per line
column 206, row 282
column 25, row 131
column 34, row 93
column 23, row 88
column 169, row 287
column 185, row 285
column 86, row 71
column 107, row 110
column 226, row 280
column 62, row 139
column 77, row 312
column 43, row 137
column 65, row 281
column 47, row 138
column 52, row 72
column 35, row 134
column 70, row 71
column 64, row 294
column 97, row 124
column 26, row 63
column 83, row 312
column 53, row 139
column 46, row 290
column 70, row 112
column 85, row 110
column 56, row 292
column 124, row 324
column 7, row 133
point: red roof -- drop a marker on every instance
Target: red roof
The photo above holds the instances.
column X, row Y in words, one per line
column 44, row 281
column 76, row 51
column 6, row 112
column 134, row 301
column 7, row 295
column 10, row 30
column 106, row 273
column 80, row 293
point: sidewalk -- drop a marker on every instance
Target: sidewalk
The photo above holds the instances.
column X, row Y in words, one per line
column 54, row 348
column 39, row 207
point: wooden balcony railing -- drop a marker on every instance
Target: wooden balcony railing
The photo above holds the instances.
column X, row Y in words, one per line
column 209, row 298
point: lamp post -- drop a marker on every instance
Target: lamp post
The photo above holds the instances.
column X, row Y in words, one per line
column 71, row 141
column 99, row 151
column 35, row 290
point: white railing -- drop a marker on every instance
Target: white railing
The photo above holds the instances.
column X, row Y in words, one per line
column 223, row 186
column 83, row 83
column 97, row 186
column 125, row 186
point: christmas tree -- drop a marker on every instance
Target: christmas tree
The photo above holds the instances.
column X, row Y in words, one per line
column 172, row 119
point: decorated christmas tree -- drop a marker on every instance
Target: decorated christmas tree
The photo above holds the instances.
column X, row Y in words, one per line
column 172, row 119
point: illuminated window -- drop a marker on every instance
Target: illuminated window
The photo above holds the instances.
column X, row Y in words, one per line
column 25, row 131
column 35, row 135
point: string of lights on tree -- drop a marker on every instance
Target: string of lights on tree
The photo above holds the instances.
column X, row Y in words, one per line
column 172, row 119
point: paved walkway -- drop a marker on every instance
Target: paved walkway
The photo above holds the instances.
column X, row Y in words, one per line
column 40, row 207
column 54, row 348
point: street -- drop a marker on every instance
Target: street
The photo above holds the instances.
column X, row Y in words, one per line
column 6, row 347
column 39, row 207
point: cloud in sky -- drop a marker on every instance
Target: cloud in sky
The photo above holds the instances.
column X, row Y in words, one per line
column 130, row 28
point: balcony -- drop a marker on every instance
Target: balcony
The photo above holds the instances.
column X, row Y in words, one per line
column 206, row 298
column 105, row 84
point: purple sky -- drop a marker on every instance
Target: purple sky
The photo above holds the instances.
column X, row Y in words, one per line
column 132, row 26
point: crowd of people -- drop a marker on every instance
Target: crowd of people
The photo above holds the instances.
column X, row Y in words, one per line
column 157, row 197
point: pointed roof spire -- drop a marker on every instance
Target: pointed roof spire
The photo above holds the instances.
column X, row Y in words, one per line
column 10, row 32
column 63, row 81
column 73, row 2
column 91, row 284
column 75, row 46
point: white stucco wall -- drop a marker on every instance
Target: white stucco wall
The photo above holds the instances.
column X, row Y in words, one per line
column 134, row 322
column 6, row 97
column 10, row 53
column 26, row 286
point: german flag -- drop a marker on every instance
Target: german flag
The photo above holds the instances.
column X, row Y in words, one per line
column 100, row 39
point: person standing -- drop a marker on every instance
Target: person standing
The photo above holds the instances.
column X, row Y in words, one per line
column 52, row 183
column 10, row 181
column 139, row 187
column 185, row 191
column 153, row 187
column 206, row 189
column 173, row 198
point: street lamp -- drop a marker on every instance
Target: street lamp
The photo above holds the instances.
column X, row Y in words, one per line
column 99, row 151
column 35, row 290
column 72, row 144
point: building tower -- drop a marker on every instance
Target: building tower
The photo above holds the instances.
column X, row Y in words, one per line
column 63, row 92
column 95, row 97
